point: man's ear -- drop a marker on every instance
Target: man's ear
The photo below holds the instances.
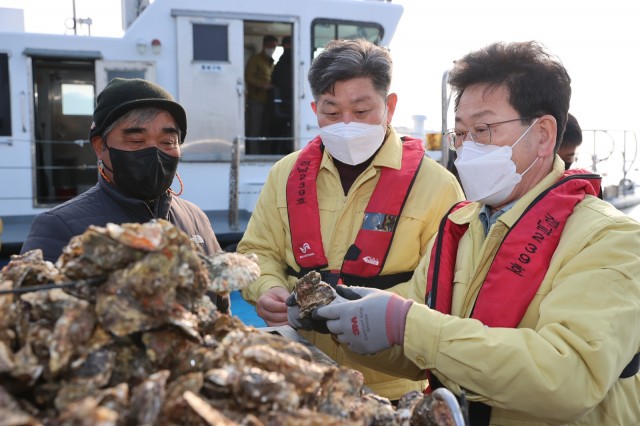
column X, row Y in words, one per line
column 548, row 133
column 392, row 100
column 314, row 107
column 98, row 146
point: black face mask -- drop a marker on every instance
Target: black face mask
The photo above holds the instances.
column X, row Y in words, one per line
column 145, row 174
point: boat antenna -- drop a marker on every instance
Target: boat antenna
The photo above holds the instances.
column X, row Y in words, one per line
column 76, row 21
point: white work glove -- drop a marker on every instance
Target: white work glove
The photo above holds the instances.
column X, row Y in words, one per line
column 370, row 324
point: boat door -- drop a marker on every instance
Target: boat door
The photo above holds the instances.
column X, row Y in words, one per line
column 210, row 76
column 212, row 54
column 63, row 97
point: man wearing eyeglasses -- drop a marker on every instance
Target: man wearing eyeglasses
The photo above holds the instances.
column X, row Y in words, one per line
column 532, row 289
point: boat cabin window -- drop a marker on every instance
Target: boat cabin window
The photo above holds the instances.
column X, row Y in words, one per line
column 325, row 30
column 115, row 73
column 210, row 43
column 5, row 96
column 77, row 99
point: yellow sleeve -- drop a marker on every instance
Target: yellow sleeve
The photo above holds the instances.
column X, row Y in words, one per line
column 265, row 236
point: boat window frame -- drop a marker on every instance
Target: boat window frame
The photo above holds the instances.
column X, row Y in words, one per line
column 5, row 96
column 316, row 49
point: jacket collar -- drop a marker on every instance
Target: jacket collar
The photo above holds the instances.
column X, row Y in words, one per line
column 136, row 207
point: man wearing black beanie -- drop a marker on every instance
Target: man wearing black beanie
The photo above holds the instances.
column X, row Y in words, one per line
column 136, row 134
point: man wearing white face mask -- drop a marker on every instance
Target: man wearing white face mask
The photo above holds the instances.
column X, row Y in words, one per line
column 532, row 291
column 358, row 203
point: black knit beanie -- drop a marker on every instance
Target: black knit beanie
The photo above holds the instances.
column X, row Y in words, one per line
column 124, row 94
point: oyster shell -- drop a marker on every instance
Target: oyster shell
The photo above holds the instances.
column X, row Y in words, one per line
column 311, row 292
column 147, row 399
column 231, row 271
column 72, row 330
column 211, row 415
column 29, row 269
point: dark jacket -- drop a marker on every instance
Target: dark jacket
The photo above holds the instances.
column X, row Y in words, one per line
column 102, row 204
column 282, row 76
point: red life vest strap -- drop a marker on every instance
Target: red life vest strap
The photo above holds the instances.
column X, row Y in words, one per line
column 521, row 261
column 442, row 262
column 366, row 257
column 302, row 206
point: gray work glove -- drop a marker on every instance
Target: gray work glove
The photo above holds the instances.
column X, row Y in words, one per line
column 316, row 324
column 370, row 324
column 293, row 315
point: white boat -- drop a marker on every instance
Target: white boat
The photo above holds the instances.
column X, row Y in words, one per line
column 195, row 49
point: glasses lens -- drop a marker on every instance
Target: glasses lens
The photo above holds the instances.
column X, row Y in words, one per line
column 481, row 134
column 450, row 138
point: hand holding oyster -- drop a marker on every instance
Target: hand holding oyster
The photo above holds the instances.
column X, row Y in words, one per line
column 311, row 292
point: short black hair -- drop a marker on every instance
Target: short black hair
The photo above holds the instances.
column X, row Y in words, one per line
column 536, row 81
column 343, row 60
column 572, row 133
column 269, row 39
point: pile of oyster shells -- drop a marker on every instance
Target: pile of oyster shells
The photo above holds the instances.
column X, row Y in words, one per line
column 128, row 336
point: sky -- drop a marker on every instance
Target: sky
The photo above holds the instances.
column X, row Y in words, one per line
column 597, row 40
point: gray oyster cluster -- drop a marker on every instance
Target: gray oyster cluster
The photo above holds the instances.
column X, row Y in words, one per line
column 148, row 347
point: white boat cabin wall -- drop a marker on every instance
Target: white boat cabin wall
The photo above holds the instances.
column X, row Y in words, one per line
column 195, row 49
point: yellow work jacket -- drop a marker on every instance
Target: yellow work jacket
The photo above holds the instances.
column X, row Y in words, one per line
column 561, row 365
column 257, row 74
column 434, row 191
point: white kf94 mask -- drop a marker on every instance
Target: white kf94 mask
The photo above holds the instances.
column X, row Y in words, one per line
column 487, row 172
column 353, row 143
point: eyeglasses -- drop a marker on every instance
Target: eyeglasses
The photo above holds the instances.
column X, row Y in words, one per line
column 479, row 133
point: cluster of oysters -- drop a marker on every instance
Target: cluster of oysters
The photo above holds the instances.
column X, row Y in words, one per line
column 136, row 341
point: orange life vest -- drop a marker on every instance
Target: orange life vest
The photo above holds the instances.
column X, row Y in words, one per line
column 366, row 256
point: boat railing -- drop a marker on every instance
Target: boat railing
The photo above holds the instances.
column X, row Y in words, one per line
column 611, row 153
column 239, row 147
column 53, row 163
column 233, row 153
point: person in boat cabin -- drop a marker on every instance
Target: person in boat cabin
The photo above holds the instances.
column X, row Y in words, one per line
column 136, row 134
column 571, row 140
column 358, row 203
column 257, row 76
column 280, row 96
column 533, row 287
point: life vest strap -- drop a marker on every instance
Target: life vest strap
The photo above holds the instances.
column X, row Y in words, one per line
column 333, row 278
